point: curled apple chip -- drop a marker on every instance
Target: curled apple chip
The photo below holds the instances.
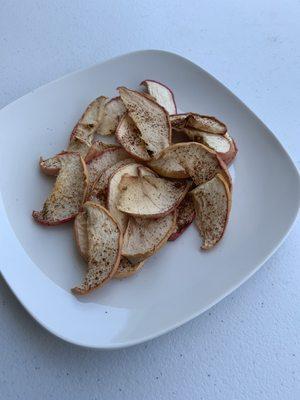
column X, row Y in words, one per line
column 231, row 154
column 144, row 237
column 206, row 123
column 151, row 119
column 68, row 193
column 223, row 145
column 190, row 159
column 89, row 122
column 129, row 137
column 125, row 268
column 150, row 196
column 113, row 112
column 162, row 94
column 185, row 216
column 212, row 202
column 104, row 243
column 113, row 192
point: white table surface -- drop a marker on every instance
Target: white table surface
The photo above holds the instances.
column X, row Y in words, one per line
column 247, row 346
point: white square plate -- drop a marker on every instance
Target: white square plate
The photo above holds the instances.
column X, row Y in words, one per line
column 180, row 282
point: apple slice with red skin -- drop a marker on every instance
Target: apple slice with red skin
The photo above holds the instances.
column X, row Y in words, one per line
column 212, row 201
column 113, row 191
column 68, row 193
column 150, row 196
column 151, row 119
column 51, row 166
column 129, row 137
column 203, row 123
column 223, row 145
column 104, row 244
column 144, row 237
column 162, row 94
column 125, row 268
column 190, row 159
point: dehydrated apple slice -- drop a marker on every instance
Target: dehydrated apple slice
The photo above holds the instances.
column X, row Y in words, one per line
column 104, row 160
column 200, row 162
column 162, row 94
column 144, row 237
column 185, row 216
column 126, row 268
column 89, row 122
column 113, row 192
column 52, row 165
column 113, row 112
column 129, row 137
column 231, row 154
column 68, row 193
column 212, row 202
column 206, row 123
column 191, row 159
column 223, row 145
column 150, row 196
column 104, row 239
column 151, row 119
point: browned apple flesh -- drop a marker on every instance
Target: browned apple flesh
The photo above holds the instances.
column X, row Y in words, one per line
column 68, row 193
column 185, row 216
column 162, row 94
column 104, row 246
column 151, row 119
column 144, row 237
column 150, row 196
column 129, row 137
column 113, row 112
column 212, row 201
